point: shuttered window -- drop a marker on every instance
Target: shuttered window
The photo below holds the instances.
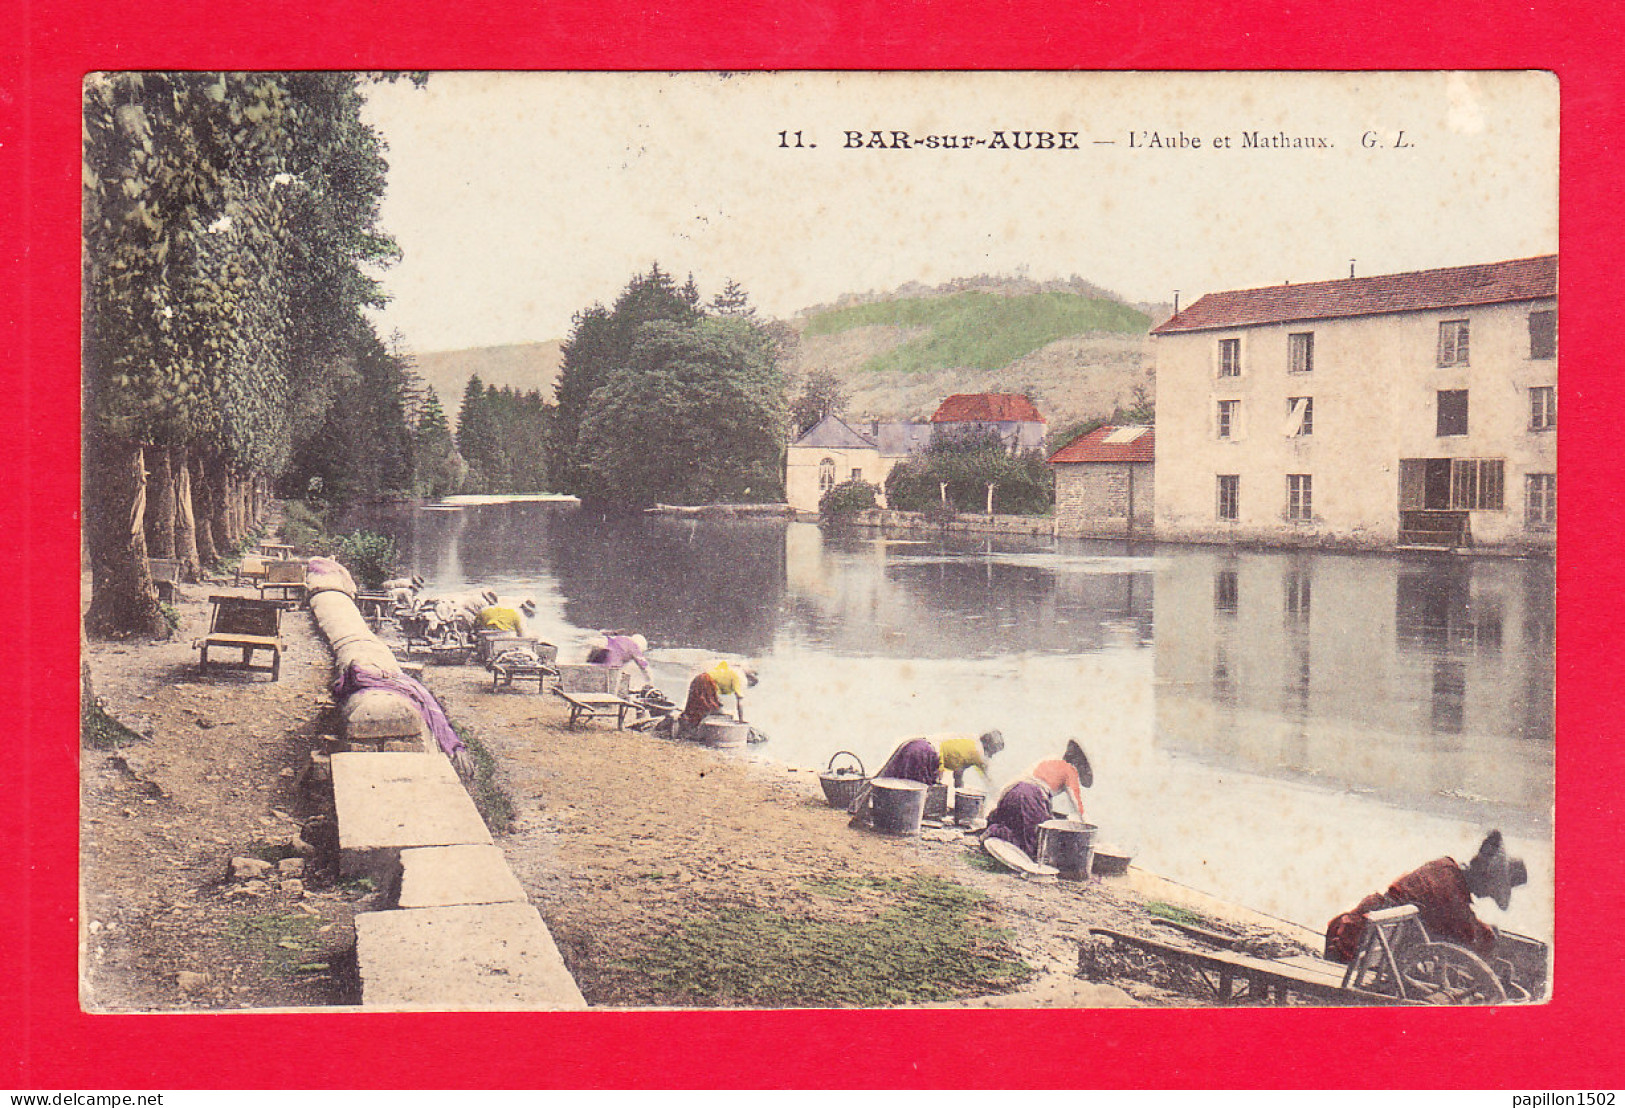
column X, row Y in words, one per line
column 1299, row 499
column 1540, row 500
column 1477, row 484
column 1301, row 352
column 1453, row 342
column 1229, row 495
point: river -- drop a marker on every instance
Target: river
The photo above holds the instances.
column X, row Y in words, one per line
column 1288, row 731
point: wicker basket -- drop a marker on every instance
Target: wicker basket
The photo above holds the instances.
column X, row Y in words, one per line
column 841, row 785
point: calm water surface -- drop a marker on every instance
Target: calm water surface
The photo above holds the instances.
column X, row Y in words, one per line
column 1289, row 731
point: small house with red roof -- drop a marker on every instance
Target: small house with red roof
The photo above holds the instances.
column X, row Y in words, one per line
column 1104, row 482
column 1409, row 409
column 1013, row 417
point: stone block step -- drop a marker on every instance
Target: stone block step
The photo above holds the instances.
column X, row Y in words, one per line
column 486, row 957
column 442, row 876
column 386, row 802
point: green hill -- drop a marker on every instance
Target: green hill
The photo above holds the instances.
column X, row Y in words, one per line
column 1077, row 350
column 978, row 330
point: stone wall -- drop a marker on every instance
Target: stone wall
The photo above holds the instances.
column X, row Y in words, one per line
column 1103, row 500
column 961, row 522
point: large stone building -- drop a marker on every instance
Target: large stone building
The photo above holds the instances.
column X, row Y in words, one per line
column 1104, row 483
column 1411, row 409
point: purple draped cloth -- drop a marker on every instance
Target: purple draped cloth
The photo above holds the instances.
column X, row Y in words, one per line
column 357, row 677
column 1020, row 810
column 915, row 760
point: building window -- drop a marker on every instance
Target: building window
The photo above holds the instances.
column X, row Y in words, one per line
column 1229, row 357
column 1477, row 484
column 1226, row 591
column 826, row 475
column 1543, row 334
column 1453, row 342
column 1301, row 352
column 1297, row 595
column 1543, row 408
column 1229, row 496
column 1300, row 415
column 1229, row 414
column 1540, row 500
column 1299, row 497
column 857, row 475
column 1452, row 412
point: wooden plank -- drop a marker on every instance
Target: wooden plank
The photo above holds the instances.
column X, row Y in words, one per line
column 267, row 641
column 1282, row 977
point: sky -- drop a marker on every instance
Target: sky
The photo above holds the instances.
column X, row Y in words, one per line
column 519, row 199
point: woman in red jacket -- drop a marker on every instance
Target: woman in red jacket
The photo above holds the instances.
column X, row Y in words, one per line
column 1442, row 891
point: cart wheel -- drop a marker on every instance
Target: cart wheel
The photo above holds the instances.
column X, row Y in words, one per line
column 1444, row 973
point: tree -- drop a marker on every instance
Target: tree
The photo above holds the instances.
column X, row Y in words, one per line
column 822, row 394
column 438, row 470
column 733, row 300
column 845, row 500
column 227, row 221
column 599, row 344
column 696, row 416
column 967, row 464
column 503, row 435
column 363, row 447
column 474, row 435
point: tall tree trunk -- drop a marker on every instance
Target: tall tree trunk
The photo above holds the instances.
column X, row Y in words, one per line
column 208, row 551
column 122, row 599
column 239, row 507
column 185, row 527
column 159, row 519
column 225, row 541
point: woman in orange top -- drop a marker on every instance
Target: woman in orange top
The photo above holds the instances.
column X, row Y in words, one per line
column 1027, row 803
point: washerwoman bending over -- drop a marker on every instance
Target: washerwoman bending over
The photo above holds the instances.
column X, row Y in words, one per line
column 1026, row 803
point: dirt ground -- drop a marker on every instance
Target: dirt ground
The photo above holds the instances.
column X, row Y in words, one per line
column 622, row 840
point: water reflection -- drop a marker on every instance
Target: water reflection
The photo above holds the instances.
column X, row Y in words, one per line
column 1423, row 682
column 1287, row 729
column 962, row 599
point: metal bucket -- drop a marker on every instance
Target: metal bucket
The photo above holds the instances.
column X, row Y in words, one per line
column 967, row 805
column 936, row 801
column 1068, row 845
column 725, row 734
column 896, row 806
column 841, row 785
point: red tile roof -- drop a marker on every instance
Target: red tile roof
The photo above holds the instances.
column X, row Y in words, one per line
column 987, row 407
column 1428, row 289
column 1092, row 447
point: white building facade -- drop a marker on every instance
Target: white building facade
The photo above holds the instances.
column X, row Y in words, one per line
column 1415, row 409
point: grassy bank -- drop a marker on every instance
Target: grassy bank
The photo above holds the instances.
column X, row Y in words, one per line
column 917, row 939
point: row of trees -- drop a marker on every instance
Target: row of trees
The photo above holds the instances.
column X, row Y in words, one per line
column 502, row 435
column 955, row 470
column 230, row 226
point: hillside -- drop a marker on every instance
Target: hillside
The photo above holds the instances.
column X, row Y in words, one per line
column 1076, row 350
column 525, row 366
